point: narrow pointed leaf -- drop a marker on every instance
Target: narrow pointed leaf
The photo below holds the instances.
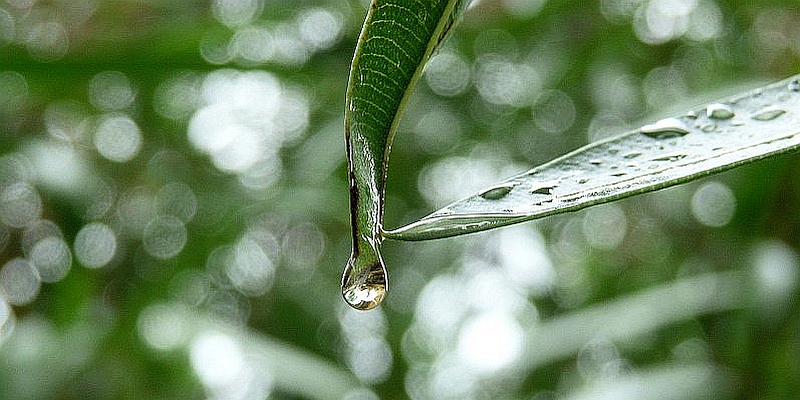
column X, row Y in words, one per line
column 741, row 130
column 397, row 38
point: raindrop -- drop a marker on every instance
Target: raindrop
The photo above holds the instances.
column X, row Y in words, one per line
column 498, row 192
column 364, row 288
column 52, row 259
column 768, row 113
column 667, row 128
column 632, row 155
column 719, row 111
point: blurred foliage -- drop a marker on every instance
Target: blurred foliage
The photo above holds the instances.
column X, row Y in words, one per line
column 173, row 207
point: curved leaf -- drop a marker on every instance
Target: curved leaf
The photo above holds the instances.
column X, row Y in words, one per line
column 396, row 40
column 746, row 128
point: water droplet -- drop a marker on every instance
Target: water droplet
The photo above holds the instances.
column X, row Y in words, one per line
column 364, row 286
column 498, row 192
column 543, row 190
column 767, row 114
column 670, row 157
column 632, row 155
column 794, row 85
column 719, row 111
column 667, row 128
column 708, row 128
column 596, row 162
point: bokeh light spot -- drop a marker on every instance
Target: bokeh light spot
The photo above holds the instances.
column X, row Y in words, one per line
column 52, row 258
column 20, row 204
column 111, row 91
column 713, row 204
column 164, row 237
column 95, row 245
column 19, row 282
column 118, row 138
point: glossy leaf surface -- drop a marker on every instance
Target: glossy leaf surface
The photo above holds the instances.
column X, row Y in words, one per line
column 741, row 130
column 396, row 40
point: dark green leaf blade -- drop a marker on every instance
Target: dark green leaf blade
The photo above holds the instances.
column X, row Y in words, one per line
column 742, row 130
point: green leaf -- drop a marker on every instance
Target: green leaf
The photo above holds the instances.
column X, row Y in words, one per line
column 746, row 128
column 396, row 40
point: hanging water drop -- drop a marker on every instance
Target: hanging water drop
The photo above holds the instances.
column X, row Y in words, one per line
column 719, row 111
column 667, row 128
column 768, row 113
column 364, row 286
column 498, row 192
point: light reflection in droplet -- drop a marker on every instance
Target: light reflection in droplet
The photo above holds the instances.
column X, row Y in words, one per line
column 20, row 204
column 19, row 282
column 52, row 258
column 111, row 91
column 164, row 237
column 118, row 138
column 713, row 204
column 95, row 245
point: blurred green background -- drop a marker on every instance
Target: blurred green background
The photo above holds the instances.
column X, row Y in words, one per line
column 173, row 207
